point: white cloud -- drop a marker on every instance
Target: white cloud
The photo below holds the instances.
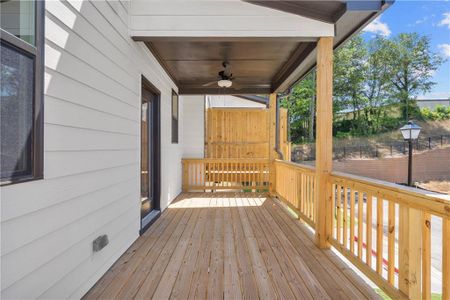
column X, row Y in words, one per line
column 422, row 20
column 378, row 27
column 445, row 49
column 446, row 20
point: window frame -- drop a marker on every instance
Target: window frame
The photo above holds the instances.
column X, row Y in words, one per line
column 37, row 52
column 175, row 123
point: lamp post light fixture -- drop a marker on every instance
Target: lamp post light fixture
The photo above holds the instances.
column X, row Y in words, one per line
column 410, row 132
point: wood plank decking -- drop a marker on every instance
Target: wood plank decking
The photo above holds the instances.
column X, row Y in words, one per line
column 228, row 246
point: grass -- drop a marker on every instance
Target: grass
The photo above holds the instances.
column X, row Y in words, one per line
column 386, row 297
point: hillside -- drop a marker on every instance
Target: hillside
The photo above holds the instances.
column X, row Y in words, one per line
column 433, row 128
column 388, row 144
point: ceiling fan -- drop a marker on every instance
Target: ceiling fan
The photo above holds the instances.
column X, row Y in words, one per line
column 225, row 77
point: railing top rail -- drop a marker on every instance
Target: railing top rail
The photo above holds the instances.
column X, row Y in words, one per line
column 239, row 108
column 296, row 165
column 217, row 160
column 434, row 203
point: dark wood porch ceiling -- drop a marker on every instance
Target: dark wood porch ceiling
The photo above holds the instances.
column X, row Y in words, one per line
column 257, row 65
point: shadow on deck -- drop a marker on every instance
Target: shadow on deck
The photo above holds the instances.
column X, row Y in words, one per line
column 228, row 246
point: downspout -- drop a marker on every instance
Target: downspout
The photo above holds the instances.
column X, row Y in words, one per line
column 277, row 123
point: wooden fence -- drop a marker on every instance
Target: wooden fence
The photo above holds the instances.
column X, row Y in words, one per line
column 225, row 174
column 384, row 229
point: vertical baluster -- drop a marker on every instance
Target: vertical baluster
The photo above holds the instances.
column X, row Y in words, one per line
column 216, row 177
column 238, row 173
column 305, row 195
column 226, row 171
column 259, row 174
column 302, row 189
column 369, row 230
column 352, row 221
column 446, row 258
column 222, row 172
column 247, row 173
column 391, row 242
column 360, row 224
column 426, row 256
column 333, row 211
column 298, row 189
column 196, row 180
column 235, row 174
column 338, row 213
column 313, row 197
column 345, row 219
column 379, row 234
column 308, row 197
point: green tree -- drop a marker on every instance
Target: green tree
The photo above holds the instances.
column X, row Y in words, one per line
column 377, row 88
column 349, row 79
column 411, row 66
column 298, row 105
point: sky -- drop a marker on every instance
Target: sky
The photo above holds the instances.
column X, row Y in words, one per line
column 431, row 18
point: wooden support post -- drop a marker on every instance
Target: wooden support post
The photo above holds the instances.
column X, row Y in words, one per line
column 272, row 141
column 324, row 141
column 410, row 251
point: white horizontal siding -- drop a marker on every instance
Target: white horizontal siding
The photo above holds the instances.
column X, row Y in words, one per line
column 219, row 18
column 193, row 124
column 231, row 101
column 91, row 179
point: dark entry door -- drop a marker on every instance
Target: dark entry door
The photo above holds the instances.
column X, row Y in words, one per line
column 149, row 157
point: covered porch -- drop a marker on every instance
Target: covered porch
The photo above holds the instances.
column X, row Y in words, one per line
column 229, row 246
column 220, row 245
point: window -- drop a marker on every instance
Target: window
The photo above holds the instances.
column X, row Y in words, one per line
column 174, row 117
column 21, row 90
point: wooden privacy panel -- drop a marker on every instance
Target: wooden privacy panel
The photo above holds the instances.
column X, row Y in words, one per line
column 237, row 133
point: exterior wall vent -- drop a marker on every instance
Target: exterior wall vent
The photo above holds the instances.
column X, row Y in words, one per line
column 100, row 243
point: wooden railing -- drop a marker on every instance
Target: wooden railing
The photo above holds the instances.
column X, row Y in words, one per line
column 385, row 230
column 209, row 174
column 295, row 186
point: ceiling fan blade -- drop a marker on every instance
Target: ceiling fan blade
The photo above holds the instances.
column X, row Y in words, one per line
column 210, row 83
column 236, row 85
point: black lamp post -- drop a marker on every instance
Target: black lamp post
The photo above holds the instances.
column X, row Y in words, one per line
column 410, row 133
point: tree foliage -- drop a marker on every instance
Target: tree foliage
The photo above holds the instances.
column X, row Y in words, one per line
column 376, row 83
column 411, row 66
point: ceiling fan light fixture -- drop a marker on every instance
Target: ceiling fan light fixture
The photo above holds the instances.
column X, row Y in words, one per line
column 224, row 83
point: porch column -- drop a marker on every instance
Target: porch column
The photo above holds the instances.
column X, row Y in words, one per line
column 324, row 141
column 272, row 142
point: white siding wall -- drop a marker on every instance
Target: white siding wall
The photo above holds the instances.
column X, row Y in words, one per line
column 231, row 101
column 230, row 18
column 192, row 126
column 92, row 127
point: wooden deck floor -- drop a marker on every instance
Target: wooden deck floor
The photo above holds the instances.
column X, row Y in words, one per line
column 228, row 246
